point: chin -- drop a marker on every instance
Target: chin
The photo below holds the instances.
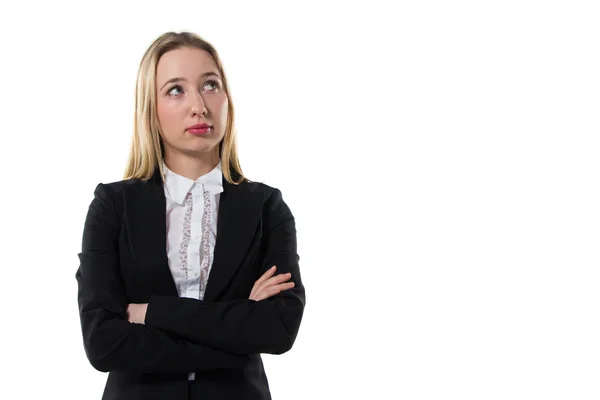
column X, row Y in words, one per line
column 201, row 150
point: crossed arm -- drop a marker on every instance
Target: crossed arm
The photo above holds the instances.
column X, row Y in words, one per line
column 266, row 286
column 180, row 335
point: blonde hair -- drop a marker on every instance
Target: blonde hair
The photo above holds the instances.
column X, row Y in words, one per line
column 147, row 149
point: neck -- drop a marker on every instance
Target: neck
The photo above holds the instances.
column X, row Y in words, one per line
column 192, row 167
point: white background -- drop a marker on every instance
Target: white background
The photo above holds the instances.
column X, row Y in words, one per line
column 441, row 160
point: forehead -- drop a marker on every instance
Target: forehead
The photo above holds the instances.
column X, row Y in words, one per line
column 184, row 62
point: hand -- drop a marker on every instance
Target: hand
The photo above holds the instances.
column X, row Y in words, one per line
column 136, row 313
column 267, row 285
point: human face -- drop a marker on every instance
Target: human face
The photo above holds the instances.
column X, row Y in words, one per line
column 190, row 92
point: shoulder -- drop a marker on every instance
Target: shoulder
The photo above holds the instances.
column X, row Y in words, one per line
column 272, row 197
column 110, row 194
column 269, row 193
column 115, row 188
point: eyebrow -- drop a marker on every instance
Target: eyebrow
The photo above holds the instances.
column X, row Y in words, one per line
column 179, row 79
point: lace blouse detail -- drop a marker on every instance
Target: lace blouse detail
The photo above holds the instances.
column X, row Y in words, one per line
column 205, row 266
column 187, row 233
column 185, row 242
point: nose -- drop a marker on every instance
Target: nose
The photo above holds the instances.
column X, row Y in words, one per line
column 197, row 104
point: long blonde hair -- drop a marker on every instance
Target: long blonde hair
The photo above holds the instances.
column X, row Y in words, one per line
column 147, row 149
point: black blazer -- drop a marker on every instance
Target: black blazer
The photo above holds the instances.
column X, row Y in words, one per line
column 123, row 260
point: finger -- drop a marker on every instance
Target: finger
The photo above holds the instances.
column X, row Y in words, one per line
column 267, row 275
column 265, row 283
column 258, row 284
column 274, row 290
column 275, row 280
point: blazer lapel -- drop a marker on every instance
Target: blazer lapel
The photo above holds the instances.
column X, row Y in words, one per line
column 238, row 217
column 145, row 215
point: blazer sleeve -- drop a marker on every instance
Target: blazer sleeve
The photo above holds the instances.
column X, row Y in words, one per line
column 111, row 342
column 244, row 326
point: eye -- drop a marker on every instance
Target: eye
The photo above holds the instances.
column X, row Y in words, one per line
column 174, row 87
column 213, row 83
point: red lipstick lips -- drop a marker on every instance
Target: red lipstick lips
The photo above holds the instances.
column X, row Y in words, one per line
column 199, row 129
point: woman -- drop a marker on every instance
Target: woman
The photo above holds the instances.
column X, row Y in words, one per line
column 188, row 270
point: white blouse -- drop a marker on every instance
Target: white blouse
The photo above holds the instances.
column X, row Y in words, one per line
column 192, row 211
